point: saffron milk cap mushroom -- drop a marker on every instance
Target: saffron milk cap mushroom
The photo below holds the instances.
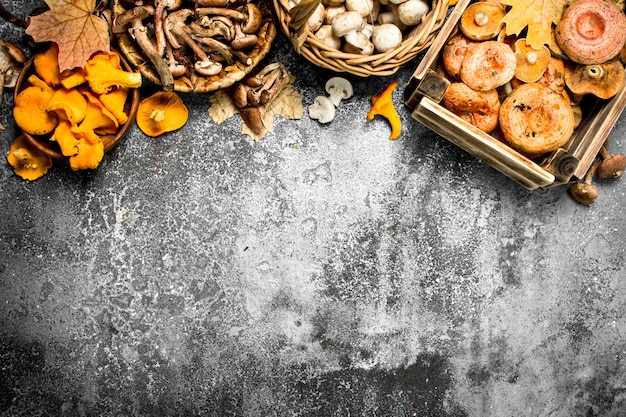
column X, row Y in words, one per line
column 535, row 119
column 481, row 21
column 531, row 63
column 602, row 80
column 488, row 65
column 479, row 108
column 322, row 109
column 591, row 31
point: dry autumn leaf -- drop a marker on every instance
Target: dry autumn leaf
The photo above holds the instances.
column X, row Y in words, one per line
column 537, row 15
column 74, row 27
column 287, row 104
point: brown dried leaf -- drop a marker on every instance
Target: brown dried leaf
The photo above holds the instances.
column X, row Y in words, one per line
column 222, row 107
column 74, row 27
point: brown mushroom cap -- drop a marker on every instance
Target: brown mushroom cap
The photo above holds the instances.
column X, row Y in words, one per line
column 535, row 120
column 591, row 31
column 602, row 80
column 488, row 65
column 531, row 63
column 479, row 108
column 482, row 21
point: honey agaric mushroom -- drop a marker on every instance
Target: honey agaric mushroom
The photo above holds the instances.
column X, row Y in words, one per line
column 535, row 120
column 612, row 165
column 103, row 73
column 531, row 63
column 29, row 111
column 12, row 61
column 584, row 192
column 479, row 108
column 591, row 31
column 27, row 162
column 162, row 112
column 454, row 51
column 382, row 104
column 602, row 80
column 69, row 103
column 481, row 21
column 488, row 65
column 132, row 20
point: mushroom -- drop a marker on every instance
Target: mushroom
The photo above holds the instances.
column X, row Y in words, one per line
column 316, row 20
column 339, row 89
column 482, row 21
column 333, row 11
column 453, row 53
column 612, row 165
column 175, row 24
column 159, row 12
column 71, row 104
column 12, row 61
column 162, row 112
column 253, row 18
column 347, row 25
column 362, row 7
column 386, row 37
column 29, row 111
column 554, row 75
column 104, row 73
column 46, row 65
column 411, row 12
column 583, row 191
column 531, row 63
column 27, row 162
column 591, row 31
column 327, row 37
column 382, row 104
column 89, row 155
column 359, row 44
column 479, row 108
column 114, row 101
column 488, row 65
column 535, row 119
column 322, row 109
column 602, row 80
column 242, row 39
column 131, row 20
column 63, row 136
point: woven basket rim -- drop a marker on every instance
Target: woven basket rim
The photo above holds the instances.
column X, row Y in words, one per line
column 380, row 64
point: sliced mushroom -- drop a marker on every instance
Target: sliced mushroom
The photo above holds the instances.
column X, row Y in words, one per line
column 322, row 109
column 338, row 89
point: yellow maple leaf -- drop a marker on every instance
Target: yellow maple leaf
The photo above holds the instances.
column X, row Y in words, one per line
column 536, row 15
column 74, row 27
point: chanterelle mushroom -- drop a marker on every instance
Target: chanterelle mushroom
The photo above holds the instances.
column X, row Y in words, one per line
column 339, row 89
column 322, row 109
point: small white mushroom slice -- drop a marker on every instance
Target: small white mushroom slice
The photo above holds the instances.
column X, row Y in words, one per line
column 411, row 12
column 386, row 37
column 338, row 89
column 322, row 109
column 327, row 37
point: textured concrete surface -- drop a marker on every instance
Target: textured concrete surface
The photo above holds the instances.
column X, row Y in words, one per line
column 324, row 271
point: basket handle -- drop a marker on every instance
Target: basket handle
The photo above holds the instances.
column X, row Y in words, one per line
column 299, row 16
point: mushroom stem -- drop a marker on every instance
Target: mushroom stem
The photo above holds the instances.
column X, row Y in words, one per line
column 594, row 71
column 134, row 17
column 481, row 18
column 612, row 165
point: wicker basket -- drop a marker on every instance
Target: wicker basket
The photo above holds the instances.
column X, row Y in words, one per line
column 378, row 64
column 192, row 82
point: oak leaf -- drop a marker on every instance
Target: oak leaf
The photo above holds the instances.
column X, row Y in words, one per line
column 74, row 27
column 537, row 15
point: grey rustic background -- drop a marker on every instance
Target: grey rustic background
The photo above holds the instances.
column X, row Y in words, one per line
column 324, row 271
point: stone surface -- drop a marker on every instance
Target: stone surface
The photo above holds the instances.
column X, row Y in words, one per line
column 324, row 271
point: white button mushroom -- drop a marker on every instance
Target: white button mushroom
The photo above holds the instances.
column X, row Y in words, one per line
column 347, row 24
column 359, row 44
column 362, row 7
column 386, row 37
column 317, row 18
column 327, row 37
column 339, row 89
column 333, row 11
column 322, row 109
column 410, row 12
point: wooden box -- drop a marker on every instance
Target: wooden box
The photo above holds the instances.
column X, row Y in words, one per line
column 568, row 163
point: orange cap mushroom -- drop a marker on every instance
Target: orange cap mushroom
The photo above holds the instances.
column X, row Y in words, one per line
column 29, row 111
column 482, row 21
column 591, row 31
column 47, row 65
column 70, row 103
column 104, row 72
column 162, row 112
column 488, row 65
column 531, row 62
column 453, row 53
column 479, row 108
column 602, row 80
column 535, row 119
column 27, row 162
